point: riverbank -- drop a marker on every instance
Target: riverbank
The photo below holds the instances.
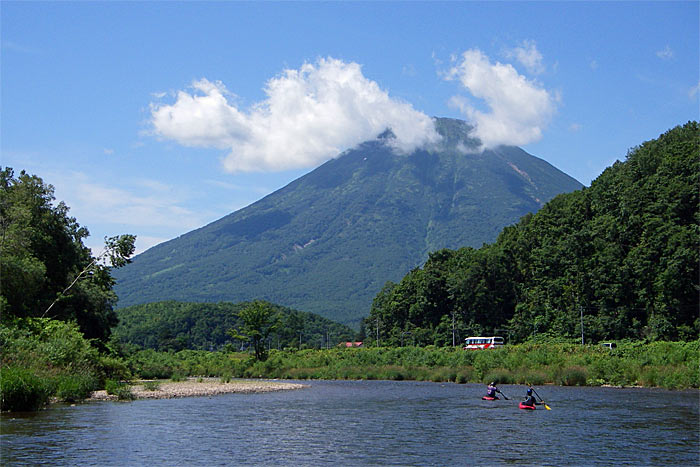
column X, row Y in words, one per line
column 669, row 365
column 200, row 387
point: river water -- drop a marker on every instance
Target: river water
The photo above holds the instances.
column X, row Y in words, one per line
column 365, row 422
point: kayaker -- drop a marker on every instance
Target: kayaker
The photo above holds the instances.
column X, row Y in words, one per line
column 492, row 390
column 530, row 400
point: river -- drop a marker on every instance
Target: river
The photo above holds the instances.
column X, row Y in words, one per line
column 365, row 422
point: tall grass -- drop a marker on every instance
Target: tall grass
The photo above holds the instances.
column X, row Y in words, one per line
column 672, row 365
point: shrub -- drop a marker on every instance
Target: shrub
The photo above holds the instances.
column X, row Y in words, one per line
column 21, row 390
column 124, row 393
column 526, row 376
column 119, row 389
column 114, row 368
column 499, row 376
column 573, row 376
column 151, row 385
column 73, row 388
column 464, row 375
column 111, row 386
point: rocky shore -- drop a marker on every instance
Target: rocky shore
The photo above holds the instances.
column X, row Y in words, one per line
column 201, row 387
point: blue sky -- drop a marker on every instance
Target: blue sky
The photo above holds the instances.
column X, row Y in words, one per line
column 156, row 118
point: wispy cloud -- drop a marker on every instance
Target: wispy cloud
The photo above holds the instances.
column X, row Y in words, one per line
column 117, row 205
column 16, row 47
column 665, row 54
column 409, row 70
column 528, row 56
column 146, row 206
column 309, row 115
column 518, row 109
column 144, row 242
column 693, row 92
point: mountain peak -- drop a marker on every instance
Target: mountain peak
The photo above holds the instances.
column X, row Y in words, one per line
column 328, row 241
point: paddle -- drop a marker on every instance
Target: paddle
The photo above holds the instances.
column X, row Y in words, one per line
column 504, row 396
column 541, row 400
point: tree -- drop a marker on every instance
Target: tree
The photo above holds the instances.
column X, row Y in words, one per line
column 619, row 259
column 45, row 269
column 259, row 320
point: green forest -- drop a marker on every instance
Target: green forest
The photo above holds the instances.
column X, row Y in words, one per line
column 616, row 260
column 174, row 326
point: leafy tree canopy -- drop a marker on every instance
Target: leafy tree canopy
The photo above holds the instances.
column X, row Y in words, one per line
column 259, row 321
column 45, row 269
column 175, row 326
column 619, row 259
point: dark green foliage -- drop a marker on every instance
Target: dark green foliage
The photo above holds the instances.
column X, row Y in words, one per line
column 671, row 365
column 573, row 376
column 623, row 253
column 56, row 299
column 76, row 387
column 327, row 242
column 45, row 270
column 42, row 358
column 259, row 321
column 120, row 389
column 21, row 390
column 176, row 326
column 151, row 385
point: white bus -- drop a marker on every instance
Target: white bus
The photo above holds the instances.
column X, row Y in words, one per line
column 481, row 343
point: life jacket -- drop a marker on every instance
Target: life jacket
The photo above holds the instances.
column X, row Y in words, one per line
column 529, row 401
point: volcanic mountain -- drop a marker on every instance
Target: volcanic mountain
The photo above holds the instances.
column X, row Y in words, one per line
column 328, row 242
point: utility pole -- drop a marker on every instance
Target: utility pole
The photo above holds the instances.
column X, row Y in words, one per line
column 453, row 328
column 377, row 331
column 581, row 308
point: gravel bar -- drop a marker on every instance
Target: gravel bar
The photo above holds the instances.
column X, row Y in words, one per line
column 205, row 387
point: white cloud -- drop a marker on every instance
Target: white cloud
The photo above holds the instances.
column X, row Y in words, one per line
column 665, row 54
column 149, row 206
column 309, row 115
column 518, row 109
column 528, row 55
column 115, row 205
column 144, row 242
column 694, row 91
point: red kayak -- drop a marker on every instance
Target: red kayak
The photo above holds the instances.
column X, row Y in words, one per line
column 489, row 398
column 526, row 407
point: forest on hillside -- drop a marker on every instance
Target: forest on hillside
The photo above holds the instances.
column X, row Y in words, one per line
column 174, row 326
column 616, row 260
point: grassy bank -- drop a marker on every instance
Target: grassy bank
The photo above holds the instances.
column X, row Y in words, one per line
column 671, row 365
column 45, row 359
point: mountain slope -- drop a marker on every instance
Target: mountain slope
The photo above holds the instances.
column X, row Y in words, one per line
column 327, row 242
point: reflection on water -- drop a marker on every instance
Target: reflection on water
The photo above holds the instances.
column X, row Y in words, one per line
column 365, row 422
